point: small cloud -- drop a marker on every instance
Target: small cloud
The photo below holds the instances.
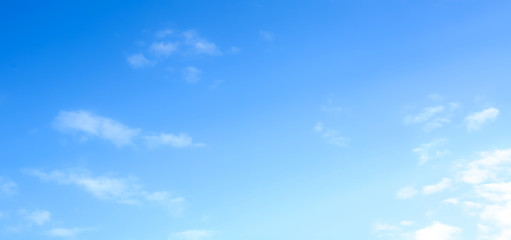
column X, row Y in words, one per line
column 433, row 117
column 95, row 126
column 431, row 150
column 437, row 231
column 139, row 61
column 163, row 33
column 66, row 232
column 39, row 217
column 200, row 45
column 476, row 120
column 163, row 49
column 8, row 187
column 179, row 141
column 332, row 136
column 121, row 190
column 406, row 193
column 191, row 235
column 453, row 201
column 267, row 36
column 234, row 50
column 442, row 185
column 191, row 74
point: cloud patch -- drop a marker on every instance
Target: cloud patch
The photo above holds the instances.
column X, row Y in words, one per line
column 476, row 120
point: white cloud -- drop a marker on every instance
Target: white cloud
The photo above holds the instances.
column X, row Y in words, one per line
column 8, row 187
column 39, row 217
column 191, row 74
column 437, row 231
column 139, row 61
column 500, row 191
column 487, row 167
column 476, row 120
column 432, row 117
column 179, row 141
column 431, row 150
column 332, row 136
column 200, row 45
column 65, row 232
column 406, row 193
column 265, row 35
column 442, row 185
column 453, row 201
column 97, row 126
column 163, row 49
column 191, row 235
column 121, row 190
column 90, row 125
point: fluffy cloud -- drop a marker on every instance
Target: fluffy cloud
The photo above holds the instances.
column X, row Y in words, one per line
column 90, row 125
column 476, row 120
column 406, row 193
column 442, row 185
column 191, row 235
column 139, row 61
column 121, row 190
column 487, row 167
column 437, row 231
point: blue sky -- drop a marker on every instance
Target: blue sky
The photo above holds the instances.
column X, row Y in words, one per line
column 249, row 120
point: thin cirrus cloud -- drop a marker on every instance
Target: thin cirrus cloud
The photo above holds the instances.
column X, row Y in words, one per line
column 431, row 150
column 432, row 117
column 38, row 217
column 88, row 125
column 8, row 187
column 191, row 74
column 406, row 193
column 331, row 136
column 66, row 232
column 476, row 120
column 121, row 190
column 139, row 60
column 191, row 235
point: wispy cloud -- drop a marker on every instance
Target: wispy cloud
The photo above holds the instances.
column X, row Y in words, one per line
column 200, row 45
column 8, row 187
column 38, row 217
column 191, row 74
column 120, row 190
column 435, row 188
column 431, row 150
column 432, row 117
column 139, row 61
column 95, row 126
column 163, row 49
column 179, row 141
column 87, row 125
column 66, row 232
column 332, row 136
column 406, row 193
column 163, row 33
column 476, row 120
column 266, row 35
column 191, row 235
